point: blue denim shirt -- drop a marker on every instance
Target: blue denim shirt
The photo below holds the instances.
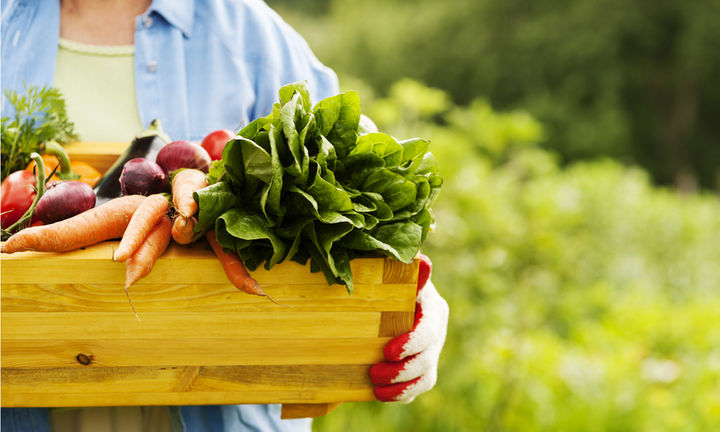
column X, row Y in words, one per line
column 200, row 65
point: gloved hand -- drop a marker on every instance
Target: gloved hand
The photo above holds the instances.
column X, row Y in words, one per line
column 412, row 358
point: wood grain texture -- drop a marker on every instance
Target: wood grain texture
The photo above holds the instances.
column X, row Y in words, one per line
column 69, row 338
column 274, row 323
column 124, row 398
column 395, row 323
column 192, row 296
column 395, row 271
column 239, row 384
column 33, row 353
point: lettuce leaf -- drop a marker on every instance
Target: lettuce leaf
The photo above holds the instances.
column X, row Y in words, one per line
column 307, row 183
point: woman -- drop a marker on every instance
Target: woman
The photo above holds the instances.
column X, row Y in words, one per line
column 198, row 66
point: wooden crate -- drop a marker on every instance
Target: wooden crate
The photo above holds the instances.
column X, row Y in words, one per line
column 70, row 338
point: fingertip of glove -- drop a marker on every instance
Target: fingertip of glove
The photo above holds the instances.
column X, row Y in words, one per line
column 384, row 373
column 393, row 392
column 384, row 395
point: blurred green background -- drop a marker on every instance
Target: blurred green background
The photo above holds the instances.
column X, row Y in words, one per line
column 578, row 230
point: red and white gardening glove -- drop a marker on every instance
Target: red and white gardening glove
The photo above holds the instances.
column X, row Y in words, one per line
column 411, row 362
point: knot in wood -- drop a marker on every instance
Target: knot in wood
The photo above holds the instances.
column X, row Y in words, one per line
column 83, row 359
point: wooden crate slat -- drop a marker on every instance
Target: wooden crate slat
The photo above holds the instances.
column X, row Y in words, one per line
column 185, row 379
column 200, row 296
column 179, row 264
column 33, row 353
column 283, row 396
column 280, row 323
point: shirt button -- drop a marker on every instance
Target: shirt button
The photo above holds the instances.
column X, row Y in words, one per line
column 147, row 21
column 152, row 67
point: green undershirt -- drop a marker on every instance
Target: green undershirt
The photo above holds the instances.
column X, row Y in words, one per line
column 98, row 84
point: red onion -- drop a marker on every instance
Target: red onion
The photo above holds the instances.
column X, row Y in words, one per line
column 63, row 200
column 142, row 176
column 183, row 154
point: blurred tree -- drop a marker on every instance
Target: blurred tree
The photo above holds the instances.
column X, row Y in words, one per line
column 631, row 80
column 582, row 298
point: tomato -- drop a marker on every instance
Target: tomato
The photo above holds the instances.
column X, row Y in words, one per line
column 18, row 194
column 215, row 142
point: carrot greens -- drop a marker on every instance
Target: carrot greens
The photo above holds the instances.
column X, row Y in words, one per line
column 39, row 116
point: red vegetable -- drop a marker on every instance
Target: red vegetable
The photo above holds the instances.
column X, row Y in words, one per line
column 183, row 154
column 142, row 176
column 63, row 200
column 215, row 142
column 18, row 194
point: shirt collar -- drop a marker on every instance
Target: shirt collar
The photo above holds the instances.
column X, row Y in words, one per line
column 179, row 13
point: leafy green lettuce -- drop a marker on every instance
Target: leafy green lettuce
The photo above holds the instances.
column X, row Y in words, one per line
column 307, row 183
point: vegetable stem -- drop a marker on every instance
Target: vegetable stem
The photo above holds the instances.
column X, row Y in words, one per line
column 154, row 129
column 66, row 172
column 39, row 192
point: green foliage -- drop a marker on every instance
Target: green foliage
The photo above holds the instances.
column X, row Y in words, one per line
column 582, row 298
column 39, row 116
column 629, row 80
column 305, row 183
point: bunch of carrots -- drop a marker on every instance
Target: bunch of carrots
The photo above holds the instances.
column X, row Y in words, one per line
column 145, row 226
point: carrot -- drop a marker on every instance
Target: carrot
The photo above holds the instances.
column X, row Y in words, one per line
column 235, row 269
column 105, row 222
column 147, row 215
column 182, row 229
column 184, row 183
column 142, row 260
column 139, row 264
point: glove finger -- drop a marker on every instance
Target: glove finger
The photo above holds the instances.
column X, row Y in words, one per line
column 406, row 391
column 431, row 317
column 385, row 373
column 394, row 392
